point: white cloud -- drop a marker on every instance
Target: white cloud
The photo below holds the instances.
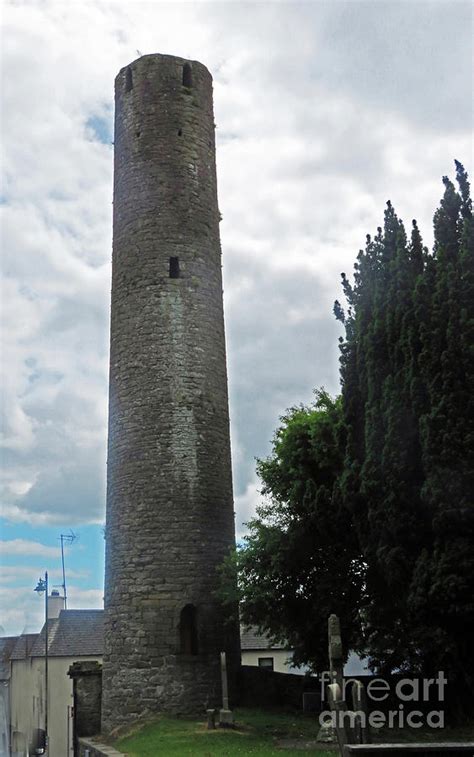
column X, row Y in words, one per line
column 245, row 505
column 89, row 599
column 24, row 547
column 23, row 608
column 324, row 111
column 12, row 573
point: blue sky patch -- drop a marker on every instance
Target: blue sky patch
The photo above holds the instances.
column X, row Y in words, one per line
column 27, row 551
column 101, row 127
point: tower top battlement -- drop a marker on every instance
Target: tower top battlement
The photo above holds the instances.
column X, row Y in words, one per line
column 159, row 63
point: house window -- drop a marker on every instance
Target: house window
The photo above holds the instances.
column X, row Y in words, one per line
column 265, row 662
column 128, row 79
column 18, row 742
column 188, row 630
column 174, row 268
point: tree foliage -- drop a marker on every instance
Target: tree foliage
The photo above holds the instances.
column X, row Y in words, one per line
column 407, row 386
column 299, row 561
column 370, row 508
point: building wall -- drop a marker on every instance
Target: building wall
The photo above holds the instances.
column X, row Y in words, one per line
column 354, row 666
column 170, row 519
column 281, row 658
column 4, row 717
column 28, row 700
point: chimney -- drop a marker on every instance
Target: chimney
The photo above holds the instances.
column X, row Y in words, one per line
column 55, row 604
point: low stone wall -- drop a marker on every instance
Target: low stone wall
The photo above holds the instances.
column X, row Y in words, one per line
column 258, row 687
column 409, row 750
column 265, row 688
column 87, row 693
column 87, row 698
column 93, row 748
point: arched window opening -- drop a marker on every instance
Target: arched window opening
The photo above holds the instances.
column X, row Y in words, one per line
column 188, row 630
column 128, row 79
column 187, row 76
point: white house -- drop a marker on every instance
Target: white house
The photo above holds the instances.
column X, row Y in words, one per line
column 258, row 650
column 77, row 636
column 73, row 635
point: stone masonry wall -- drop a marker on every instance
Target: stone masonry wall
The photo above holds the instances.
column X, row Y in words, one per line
column 265, row 688
column 170, row 518
column 93, row 748
column 87, row 696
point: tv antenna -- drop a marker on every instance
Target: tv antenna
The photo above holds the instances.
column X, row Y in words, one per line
column 68, row 538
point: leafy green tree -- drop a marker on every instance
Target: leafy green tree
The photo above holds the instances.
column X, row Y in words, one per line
column 299, row 561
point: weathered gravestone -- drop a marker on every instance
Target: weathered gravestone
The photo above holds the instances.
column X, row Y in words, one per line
column 350, row 725
column 226, row 718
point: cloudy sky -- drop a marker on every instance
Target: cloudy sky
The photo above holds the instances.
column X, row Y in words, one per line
column 324, row 110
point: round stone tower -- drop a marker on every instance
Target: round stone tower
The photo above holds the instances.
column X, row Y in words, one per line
column 170, row 519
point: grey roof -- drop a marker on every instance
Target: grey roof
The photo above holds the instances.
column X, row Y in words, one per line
column 7, row 645
column 80, row 633
column 76, row 633
column 251, row 639
column 23, row 646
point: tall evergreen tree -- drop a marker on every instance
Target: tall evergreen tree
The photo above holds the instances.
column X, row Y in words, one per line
column 407, row 367
column 441, row 596
column 379, row 363
column 371, row 511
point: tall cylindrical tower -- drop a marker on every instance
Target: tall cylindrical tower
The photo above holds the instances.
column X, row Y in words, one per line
column 170, row 519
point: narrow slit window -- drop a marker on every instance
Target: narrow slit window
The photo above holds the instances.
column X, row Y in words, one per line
column 174, row 268
column 128, row 79
column 188, row 630
column 187, row 76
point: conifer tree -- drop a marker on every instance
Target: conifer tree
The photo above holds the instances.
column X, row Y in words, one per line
column 407, row 367
column 441, row 595
column 371, row 511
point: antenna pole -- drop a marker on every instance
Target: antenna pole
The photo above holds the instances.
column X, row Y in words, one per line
column 46, row 652
column 64, row 571
column 69, row 538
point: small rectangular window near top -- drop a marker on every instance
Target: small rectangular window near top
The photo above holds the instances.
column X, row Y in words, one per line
column 188, row 630
column 174, row 268
column 187, row 76
column 128, row 79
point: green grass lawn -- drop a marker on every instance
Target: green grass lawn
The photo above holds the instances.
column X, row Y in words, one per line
column 257, row 733
column 422, row 735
